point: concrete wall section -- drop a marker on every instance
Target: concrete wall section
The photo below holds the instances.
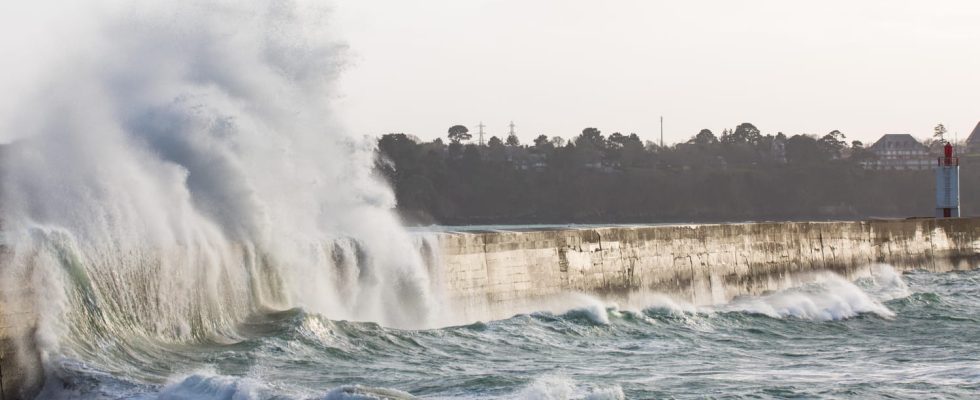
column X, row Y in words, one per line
column 495, row 273
column 20, row 365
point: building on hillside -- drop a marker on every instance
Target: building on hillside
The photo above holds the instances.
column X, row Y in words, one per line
column 973, row 142
column 899, row 152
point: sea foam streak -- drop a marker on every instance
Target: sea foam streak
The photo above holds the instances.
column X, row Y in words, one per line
column 557, row 387
column 820, row 296
column 179, row 169
column 828, row 297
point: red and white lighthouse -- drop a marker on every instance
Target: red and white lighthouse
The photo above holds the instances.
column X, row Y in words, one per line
column 948, row 184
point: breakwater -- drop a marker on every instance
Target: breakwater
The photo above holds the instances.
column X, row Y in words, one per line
column 496, row 274
column 20, row 365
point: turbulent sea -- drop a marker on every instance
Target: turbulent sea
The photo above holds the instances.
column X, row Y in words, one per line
column 192, row 220
column 892, row 336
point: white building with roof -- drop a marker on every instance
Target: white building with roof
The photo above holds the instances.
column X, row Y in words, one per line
column 900, row 152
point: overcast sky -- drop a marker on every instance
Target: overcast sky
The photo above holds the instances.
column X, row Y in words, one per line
column 557, row 66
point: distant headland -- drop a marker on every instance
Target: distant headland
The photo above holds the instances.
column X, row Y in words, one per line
column 740, row 174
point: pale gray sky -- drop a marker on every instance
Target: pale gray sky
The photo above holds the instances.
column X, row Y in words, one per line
column 557, row 66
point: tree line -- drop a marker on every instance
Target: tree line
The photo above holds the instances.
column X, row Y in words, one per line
column 739, row 175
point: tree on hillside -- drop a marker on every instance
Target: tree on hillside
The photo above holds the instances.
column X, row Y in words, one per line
column 627, row 150
column 396, row 149
column 725, row 136
column 619, row 140
column 541, row 141
column 616, row 140
column 833, row 144
column 803, row 149
column 744, row 133
column 859, row 153
column 495, row 150
column 591, row 137
column 459, row 133
column 512, row 140
column 542, row 144
column 495, row 142
column 704, row 138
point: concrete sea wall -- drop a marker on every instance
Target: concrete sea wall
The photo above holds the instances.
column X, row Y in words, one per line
column 495, row 274
column 20, row 366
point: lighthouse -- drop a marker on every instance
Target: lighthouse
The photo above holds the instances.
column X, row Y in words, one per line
column 948, row 185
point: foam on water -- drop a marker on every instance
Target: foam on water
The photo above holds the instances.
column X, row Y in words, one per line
column 592, row 308
column 206, row 386
column 557, row 387
column 884, row 283
column 820, row 296
column 365, row 393
column 827, row 297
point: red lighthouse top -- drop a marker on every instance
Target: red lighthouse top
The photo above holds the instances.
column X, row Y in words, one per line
column 948, row 158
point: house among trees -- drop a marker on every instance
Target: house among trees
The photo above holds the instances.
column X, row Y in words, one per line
column 973, row 142
column 899, row 152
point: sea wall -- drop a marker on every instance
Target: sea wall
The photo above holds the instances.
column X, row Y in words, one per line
column 20, row 366
column 495, row 274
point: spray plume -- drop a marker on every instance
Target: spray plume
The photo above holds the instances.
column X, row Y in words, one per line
column 178, row 168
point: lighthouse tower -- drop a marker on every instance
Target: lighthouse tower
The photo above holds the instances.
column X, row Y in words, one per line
column 948, row 185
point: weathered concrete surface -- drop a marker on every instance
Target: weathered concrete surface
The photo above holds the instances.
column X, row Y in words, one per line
column 19, row 363
column 494, row 274
column 20, row 366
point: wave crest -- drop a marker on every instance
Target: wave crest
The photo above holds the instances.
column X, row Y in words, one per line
column 552, row 387
column 827, row 296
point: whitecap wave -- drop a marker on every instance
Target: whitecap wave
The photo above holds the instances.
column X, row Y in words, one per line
column 208, row 386
column 884, row 283
column 594, row 310
column 828, row 298
column 819, row 296
column 662, row 302
column 556, row 387
column 357, row 392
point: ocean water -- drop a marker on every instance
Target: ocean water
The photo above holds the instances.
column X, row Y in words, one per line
column 915, row 335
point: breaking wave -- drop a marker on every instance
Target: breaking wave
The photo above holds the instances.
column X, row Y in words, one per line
column 828, row 297
column 187, row 172
column 820, row 296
